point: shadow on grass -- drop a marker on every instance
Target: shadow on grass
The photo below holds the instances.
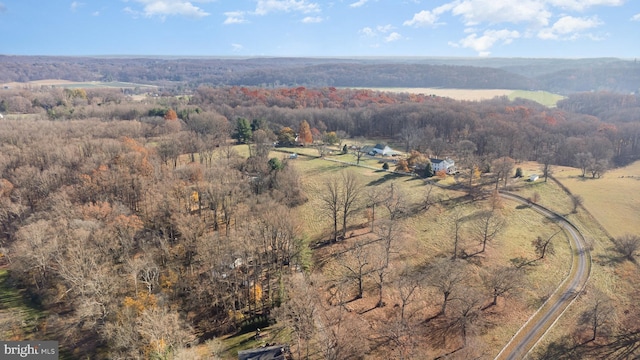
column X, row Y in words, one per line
column 385, row 178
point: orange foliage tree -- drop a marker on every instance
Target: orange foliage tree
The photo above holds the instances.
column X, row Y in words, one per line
column 171, row 115
column 304, row 133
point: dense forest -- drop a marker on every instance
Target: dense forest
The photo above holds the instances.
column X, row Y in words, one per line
column 142, row 231
column 554, row 75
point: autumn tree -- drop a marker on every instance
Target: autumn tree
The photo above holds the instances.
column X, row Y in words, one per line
column 304, row 133
column 331, row 138
column 171, row 115
column 286, row 136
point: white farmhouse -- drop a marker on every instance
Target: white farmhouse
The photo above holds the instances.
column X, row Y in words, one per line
column 443, row 164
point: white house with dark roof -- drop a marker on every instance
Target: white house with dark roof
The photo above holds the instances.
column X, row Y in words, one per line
column 447, row 165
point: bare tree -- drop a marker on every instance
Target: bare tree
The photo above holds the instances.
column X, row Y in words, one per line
column 448, row 277
column 299, row 312
column 501, row 281
column 351, row 193
column 627, row 246
column 597, row 168
column 373, row 196
column 358, row 149
column 583, row 160
column 501, row 168
column 487, row 226
column 409, row 136
column 456, row 220
column 544, row 246
column 465, row 313
column 576, row 201
column 599, row 314
column 331, row 204
column 356, row 265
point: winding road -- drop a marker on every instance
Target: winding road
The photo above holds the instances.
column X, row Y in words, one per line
column 546, row 316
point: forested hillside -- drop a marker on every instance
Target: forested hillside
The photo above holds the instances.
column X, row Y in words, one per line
column 560, row 76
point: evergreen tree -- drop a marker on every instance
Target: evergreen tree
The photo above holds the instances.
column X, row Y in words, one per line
column 243, row 131
column 428, row 170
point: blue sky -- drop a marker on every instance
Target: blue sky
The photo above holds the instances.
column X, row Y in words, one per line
column 468, row 28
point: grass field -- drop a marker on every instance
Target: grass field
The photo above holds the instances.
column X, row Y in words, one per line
column 613, row 200
column 77, row 85
column 542, row 97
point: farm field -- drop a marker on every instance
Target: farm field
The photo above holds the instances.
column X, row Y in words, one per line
column 542, row 97
column 75, row 85
column 613, row 200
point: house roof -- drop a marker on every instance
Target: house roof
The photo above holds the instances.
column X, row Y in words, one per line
column 436, row 161
column 380, row 146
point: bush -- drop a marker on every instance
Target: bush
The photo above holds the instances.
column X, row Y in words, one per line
column 518, row 172
column 385, row 166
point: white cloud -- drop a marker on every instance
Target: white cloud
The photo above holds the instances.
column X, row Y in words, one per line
column 130, row 11
column 384, row 28
column 3, row 8
column 635, row 17
column 234, row 17
column 581, row 5
column 267, row 6
column 482, row 44
column 427, row 18
column 422, row 19
column 75, row 5
column 394, row 36
column 476, row 12
column 569, row 27
column 164, row 8
column 312, row 20
column 95, row 13
column 367, row 31
column 358, row 3
column 237, row 47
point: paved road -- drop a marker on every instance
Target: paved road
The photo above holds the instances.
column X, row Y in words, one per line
column 537, row 326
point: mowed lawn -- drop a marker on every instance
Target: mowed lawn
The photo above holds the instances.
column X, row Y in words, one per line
column 614, row 200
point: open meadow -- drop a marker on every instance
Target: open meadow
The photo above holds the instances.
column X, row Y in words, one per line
column 542, row 97
column 614, row 199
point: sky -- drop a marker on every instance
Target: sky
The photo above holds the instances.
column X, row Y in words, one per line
column 338, row 28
